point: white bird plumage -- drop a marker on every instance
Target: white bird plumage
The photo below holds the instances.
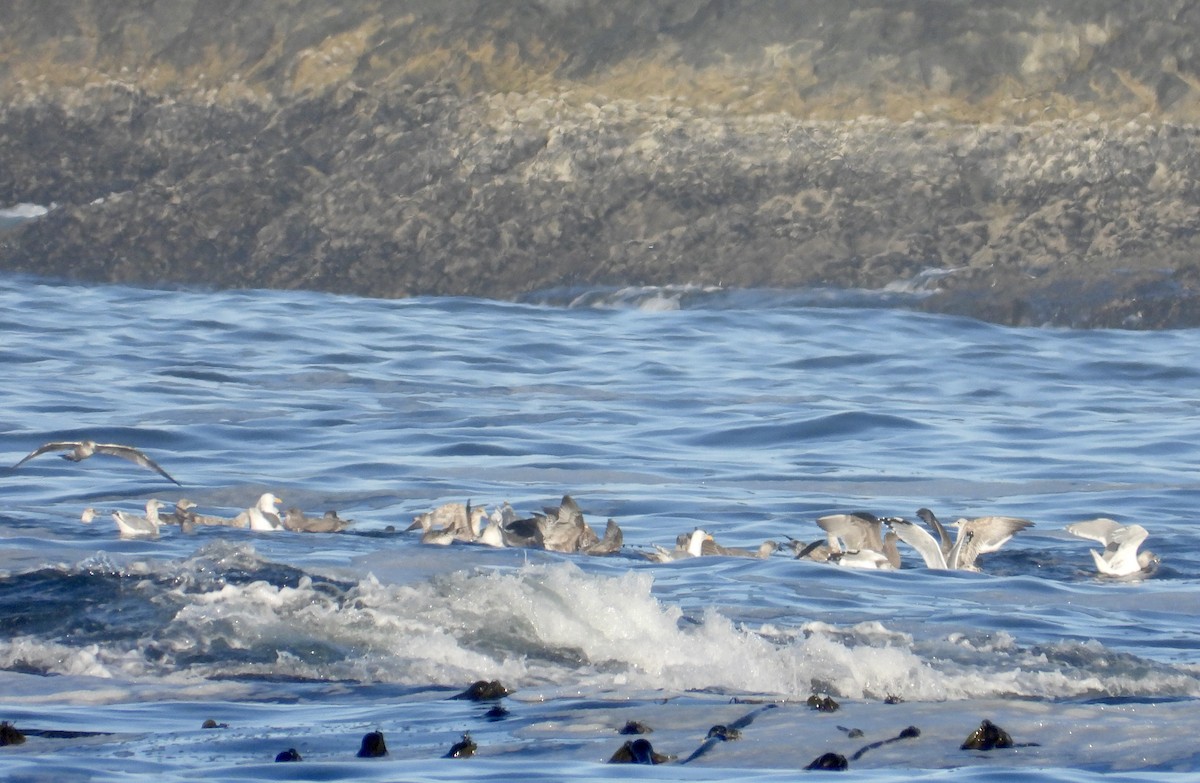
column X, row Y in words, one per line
column 1121, row 543
column 133, row 526
column 978, row 536
column 263, row 516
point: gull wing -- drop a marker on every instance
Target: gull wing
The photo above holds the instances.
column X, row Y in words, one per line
column 1100, row 530
column 991, row 533
column 133, row 455
column 1121, row 554
column 919, row 539
column 857, row 531
column 58, row 445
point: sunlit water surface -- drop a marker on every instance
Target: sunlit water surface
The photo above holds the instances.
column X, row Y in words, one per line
column 747, row 414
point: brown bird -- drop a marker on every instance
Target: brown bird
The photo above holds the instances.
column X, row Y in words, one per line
column 79, row 450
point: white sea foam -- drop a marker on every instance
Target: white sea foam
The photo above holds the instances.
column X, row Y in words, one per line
column 555, row 626
column 24, row 211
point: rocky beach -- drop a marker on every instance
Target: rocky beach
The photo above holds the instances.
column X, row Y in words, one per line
column 1041, row 159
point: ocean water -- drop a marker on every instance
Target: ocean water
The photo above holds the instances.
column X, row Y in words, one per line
column 748, row 414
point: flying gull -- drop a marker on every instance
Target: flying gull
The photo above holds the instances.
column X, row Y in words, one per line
column 79, row 450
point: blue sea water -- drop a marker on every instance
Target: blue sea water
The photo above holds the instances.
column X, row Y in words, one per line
column 748, row 414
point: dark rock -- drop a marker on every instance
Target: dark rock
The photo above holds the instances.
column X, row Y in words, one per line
column 463, row 749
column 1047, row 183
column 830, row 761
column 822, row 703
column 209, row 723
column 910, row 732
column 723, row 733
column 372, row 746
column 496, row 712
column 988, row 736
column 635, row 727
column 291, row 754
column 483, row 690
column 638, row 751
column 10, row 734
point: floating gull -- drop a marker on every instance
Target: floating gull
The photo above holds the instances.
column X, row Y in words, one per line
column 444, row 537
column 980, row 536
column 612, row 542
column 179, row 514
column 449, row 522
column 297, row 521
column 686, row 545
column 887, row 558
column 1121, row 542
column 493, row 533
column 764, row 550
column 79, row 450
column 856, row 540
column 817, row 550
column 522, row 532
column 189, row 519
column 263, row 516
column 919, row 539
column 133, row 526
column 564, row 528
column 931, row 519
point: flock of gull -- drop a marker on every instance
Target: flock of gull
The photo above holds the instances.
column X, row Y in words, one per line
column 852, row 540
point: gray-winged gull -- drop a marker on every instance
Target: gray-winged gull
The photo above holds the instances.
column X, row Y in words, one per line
column 133, row 526
column 1121, row 542
column 79, row 450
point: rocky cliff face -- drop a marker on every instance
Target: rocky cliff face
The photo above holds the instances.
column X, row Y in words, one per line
column 1045, row 157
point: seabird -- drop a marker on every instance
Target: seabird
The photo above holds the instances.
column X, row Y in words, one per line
column 188, row 518
column 612, row 542
column 857, row 540
column 980, row 536
column 438, row 537
column 818, row 550
column 919, row 539
column 493, row 534
column 133, row 526
column 263, row 516
column 79, row 450
column 297, row 521
column 522, row 532
column 564, row 529
column 180, row 514
column 1121, row 542
column 449, row 522
column 764, row 550
column 887, row 557
column 976, row 537
column 943, row 537
column 686, row 545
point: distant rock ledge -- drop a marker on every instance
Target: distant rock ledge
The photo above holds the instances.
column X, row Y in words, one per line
column 449, row 154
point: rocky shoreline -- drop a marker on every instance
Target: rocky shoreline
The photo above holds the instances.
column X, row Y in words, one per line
column 367, row 183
